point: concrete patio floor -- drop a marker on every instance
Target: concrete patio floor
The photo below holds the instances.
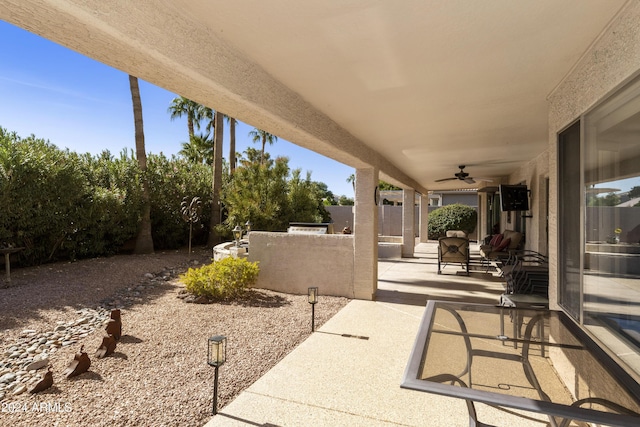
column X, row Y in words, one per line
column 348, row 373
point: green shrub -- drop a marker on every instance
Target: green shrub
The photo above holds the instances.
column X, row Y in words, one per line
column 225, row 279
column 60, row 205
column 452, row 217
column 43, row 192
column 170, row 181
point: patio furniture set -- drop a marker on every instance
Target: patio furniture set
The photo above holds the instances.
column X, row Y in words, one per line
column 526, row 272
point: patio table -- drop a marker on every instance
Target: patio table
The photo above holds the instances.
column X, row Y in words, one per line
column 459, row 351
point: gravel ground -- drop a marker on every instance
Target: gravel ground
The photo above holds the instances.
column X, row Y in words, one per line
column 158, row 375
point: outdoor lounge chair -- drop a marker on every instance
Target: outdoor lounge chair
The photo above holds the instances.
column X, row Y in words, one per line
column 500, row 247
column 453, row 249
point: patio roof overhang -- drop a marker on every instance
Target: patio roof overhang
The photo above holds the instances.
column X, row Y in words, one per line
column 413, row 88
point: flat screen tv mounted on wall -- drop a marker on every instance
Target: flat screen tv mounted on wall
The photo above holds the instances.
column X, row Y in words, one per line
column 514, row 198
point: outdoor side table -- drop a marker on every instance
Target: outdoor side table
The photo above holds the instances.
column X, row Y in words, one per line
column 7, row 262
column 459, row 352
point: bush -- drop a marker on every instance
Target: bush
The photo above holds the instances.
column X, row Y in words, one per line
column 452, row 217
column 60, row 205
column 225, row 279
column 43, row 193
column 171, row 180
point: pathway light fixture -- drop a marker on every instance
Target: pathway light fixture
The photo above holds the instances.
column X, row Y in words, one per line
column 216, row 356
column 312, row 293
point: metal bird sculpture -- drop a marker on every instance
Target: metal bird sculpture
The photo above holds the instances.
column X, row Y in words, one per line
column 78, row 365
column 44, row 383
column 114, row 327
column 107, row 347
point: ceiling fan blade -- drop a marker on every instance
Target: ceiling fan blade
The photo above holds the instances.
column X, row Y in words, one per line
column 483, row 179
column 445, row 179
column 469, row 180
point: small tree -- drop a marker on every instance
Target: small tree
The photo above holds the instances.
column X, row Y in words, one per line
column 452, row 217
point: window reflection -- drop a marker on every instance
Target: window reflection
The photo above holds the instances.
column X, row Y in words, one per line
column 611, row 275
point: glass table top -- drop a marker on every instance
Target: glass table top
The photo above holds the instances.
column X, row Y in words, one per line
column 530, row 359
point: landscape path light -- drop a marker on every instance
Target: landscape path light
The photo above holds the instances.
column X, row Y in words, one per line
column 313, row 300
column 247, row 226
column 216, row 356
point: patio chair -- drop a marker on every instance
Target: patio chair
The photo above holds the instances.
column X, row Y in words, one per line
column 453, row 249
column 527, row 274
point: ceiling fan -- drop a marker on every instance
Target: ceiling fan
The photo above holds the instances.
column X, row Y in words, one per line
column 463, row 176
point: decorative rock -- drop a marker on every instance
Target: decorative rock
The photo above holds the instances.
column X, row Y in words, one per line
column 37, row 364
column 81, row 321
column 32, row 349
column 7, row 378
column 19, row 390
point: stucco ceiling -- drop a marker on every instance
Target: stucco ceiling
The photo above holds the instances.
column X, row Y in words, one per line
column 413, row 87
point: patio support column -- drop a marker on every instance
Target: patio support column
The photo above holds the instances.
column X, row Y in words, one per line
column 424, row 218
column 408, row 222
column 365, row 235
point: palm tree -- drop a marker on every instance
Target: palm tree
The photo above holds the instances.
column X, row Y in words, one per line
column 183, row 106
column 144, row 240
column 263, row 137
column 217, row 178
column 232, row 145
column 352, row 180
column 198, row 150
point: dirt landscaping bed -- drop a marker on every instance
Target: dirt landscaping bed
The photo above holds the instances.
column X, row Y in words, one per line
column 158, row 374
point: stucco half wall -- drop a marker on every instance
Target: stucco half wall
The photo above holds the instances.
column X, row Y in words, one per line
column 292, row 263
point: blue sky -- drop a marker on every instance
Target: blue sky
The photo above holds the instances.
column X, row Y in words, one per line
column 81, row 104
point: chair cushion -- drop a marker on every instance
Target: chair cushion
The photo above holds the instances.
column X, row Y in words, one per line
column 453, row 249
column 456, row 233
column 515, row 237
column 495, row 240
column 503, row 245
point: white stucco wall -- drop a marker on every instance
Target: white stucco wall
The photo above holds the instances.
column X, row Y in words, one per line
column 292, row 263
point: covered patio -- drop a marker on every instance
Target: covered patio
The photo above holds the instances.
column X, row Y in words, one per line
column 349, row 372
column 543, row 94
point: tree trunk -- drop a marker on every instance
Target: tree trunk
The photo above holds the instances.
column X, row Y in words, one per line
column 144, row 240
column 190, row 125
column 214, row 237
column 232, row 145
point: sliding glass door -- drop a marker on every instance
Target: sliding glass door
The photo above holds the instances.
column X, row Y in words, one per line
column 599, row 223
